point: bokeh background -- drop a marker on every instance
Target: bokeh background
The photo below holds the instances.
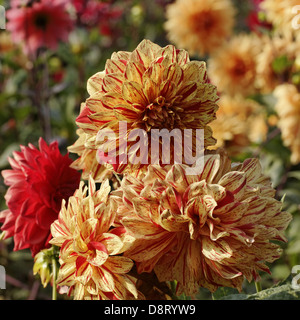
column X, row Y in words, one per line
column 43, row 84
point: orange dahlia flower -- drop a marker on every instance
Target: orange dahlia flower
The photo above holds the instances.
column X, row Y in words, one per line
column 149, row 88
column 208, row 230
column 233, row 69
column 199, row 26
column 288, row 110
column 90, row 264
column 275, row 49
column 239, row 122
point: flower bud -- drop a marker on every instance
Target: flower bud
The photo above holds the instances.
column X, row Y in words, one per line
column 43, row 266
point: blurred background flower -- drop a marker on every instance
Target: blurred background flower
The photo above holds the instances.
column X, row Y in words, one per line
column 39, row 24
column 200, row 26
column 240, row 122
column 233, row 68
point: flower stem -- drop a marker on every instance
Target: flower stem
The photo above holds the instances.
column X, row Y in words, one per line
column 258, row 286
column 54, row 275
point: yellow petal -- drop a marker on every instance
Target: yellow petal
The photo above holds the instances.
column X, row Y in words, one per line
column 95, row 82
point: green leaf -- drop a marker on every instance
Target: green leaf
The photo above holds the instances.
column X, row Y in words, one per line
column 223, row 292
column 280, row 64
column 282, row 292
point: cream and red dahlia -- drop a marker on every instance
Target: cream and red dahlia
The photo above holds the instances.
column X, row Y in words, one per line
column 39, row 24
column 210, row 230
column 200, row 26
column 91, row 264
column 38, row 182
column 87, row 160
column 149, row 88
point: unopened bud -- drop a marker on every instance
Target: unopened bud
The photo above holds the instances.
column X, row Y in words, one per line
column 43, row 265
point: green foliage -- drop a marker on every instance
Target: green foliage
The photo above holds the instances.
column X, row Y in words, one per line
column 284, row 291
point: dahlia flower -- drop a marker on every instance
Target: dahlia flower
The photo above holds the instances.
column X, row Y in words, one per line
column 93, row 12
column 89, row 255
column 233, row 69
column 239, row 122
column 273, row 50
column 149, row 88
column 38, row 182
column 40, row 24
column 288, row 110
column 253, row 20
column 199, row 26
column 280, row 14
column 87, row 160
column 208, row 230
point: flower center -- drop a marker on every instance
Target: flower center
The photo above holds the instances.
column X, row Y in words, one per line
column 160, row 114
column 41, row 21
column 202, row 21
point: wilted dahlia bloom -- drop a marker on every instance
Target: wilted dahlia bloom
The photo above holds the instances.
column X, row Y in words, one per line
column 233, row 69
column 199, row 26
column 149, row 88
column 39, row 24
column 208, row 230
column 89, row 256
column 288, row 110
column 38, row 182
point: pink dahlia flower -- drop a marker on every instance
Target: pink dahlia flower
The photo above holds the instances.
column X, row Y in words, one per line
column 40, row 24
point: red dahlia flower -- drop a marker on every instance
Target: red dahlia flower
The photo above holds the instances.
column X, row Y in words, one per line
column 38, row 182
column 40, row 24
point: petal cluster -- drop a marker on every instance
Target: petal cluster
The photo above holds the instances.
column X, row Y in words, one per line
column 234, row 68
column 208, row 230
column 288, row 110
column 281, row 13
column 87, row 160
column 149, row 88
column 38, row 182
column 91, row 264
column 200, row 26
column 239, row 122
